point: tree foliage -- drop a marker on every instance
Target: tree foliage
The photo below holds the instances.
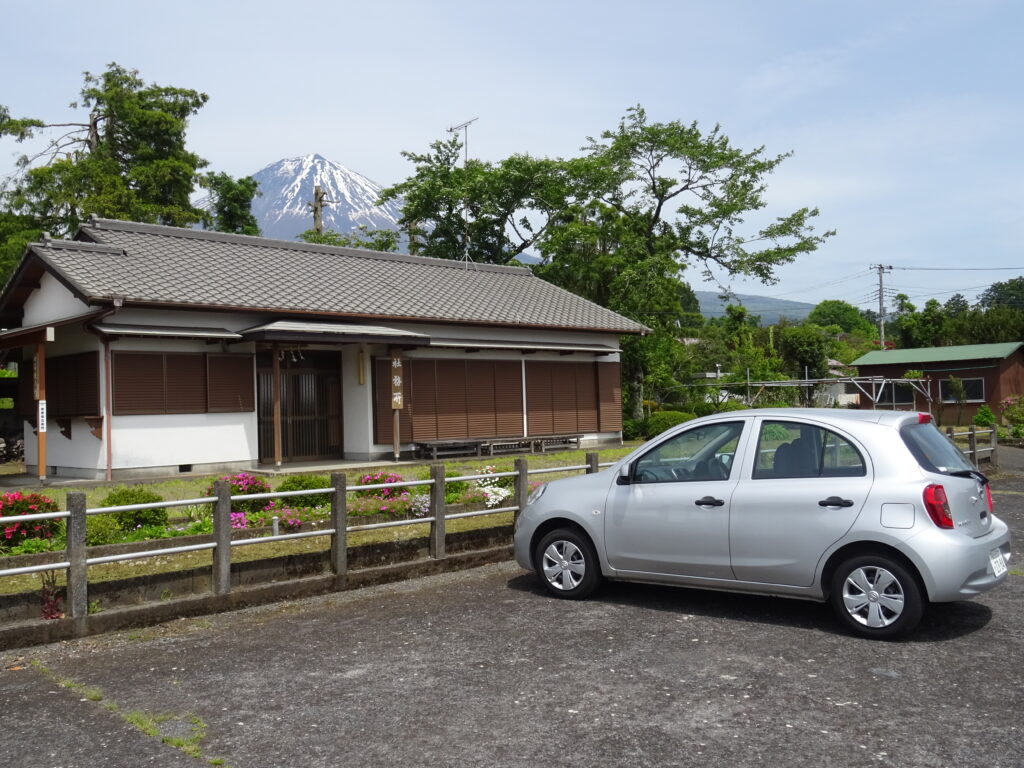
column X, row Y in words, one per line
column 618, row 225
column 840, row 313
column 372, row 239
column 128, row 160
column 231, row 203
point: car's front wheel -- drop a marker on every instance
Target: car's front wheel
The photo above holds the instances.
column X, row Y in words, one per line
column 567, row 564
column 876, row 597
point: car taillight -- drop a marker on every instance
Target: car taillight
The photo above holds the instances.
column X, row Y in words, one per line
column 924, row 418
column 937, row 504
column 988, row 493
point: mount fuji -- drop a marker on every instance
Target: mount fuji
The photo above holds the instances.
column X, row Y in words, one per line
column 286, row 189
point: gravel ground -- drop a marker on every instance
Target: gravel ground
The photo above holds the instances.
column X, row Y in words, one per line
column 479, row 668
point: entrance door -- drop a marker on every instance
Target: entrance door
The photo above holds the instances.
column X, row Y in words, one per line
column 311, row 425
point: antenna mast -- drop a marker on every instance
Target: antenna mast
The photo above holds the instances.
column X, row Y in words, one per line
column 464, row 127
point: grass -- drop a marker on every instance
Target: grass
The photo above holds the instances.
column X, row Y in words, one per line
column 154, row 726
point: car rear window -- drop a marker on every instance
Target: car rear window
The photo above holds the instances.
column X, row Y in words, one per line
column 933, row 450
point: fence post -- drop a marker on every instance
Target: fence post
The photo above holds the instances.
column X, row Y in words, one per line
column 222, row 538
column 950, row 434
column 993, row 457
column 592, row 461
column 437, row 509
column 522, row 485
column 972, row 443
column 78, row 572
column 339, row 522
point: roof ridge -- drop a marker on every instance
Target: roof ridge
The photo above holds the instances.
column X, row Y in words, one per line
column 96, row 224
column 74, row 245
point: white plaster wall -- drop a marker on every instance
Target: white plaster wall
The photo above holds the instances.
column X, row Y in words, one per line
column 187, row 438
column 357, row 401
column 51, row 301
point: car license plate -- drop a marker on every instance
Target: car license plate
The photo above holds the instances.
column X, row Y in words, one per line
column 998, row 563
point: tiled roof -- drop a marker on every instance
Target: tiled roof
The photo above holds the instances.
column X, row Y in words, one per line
column 939, row 354
column 156, row 265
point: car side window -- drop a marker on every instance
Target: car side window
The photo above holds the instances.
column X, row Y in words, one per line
column 701, row 454
column 789, row 449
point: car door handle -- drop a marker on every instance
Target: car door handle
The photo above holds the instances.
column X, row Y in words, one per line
column 709, row 501
column 835, row 501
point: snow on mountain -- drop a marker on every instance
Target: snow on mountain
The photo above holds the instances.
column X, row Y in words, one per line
column 286, row 189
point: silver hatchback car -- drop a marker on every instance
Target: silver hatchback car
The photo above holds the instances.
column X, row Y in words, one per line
column 876, row 512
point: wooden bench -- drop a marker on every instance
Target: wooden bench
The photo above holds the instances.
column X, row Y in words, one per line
column 434, row 449
column 508, row 445
column 544, row 443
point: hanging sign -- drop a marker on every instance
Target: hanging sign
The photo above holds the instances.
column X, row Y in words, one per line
column 396, row 381
column 41, row 416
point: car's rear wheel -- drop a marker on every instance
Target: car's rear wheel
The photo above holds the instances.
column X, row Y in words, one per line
column 566, row 564
column 876, row 596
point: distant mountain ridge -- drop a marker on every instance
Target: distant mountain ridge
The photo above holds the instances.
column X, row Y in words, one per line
column 286, row 190
column 768, row 309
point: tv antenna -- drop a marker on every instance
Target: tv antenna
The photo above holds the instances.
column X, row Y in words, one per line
column 464, row 127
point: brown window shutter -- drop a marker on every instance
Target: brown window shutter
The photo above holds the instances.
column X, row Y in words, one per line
column 229, row 383
column 480, row 398
column 586, row 397
column 73, row 385
column 508, row 398
column 185, row 383
column 563, row 398
column 609, row 396
column 422, row 401
column 138, row 383
column 538, row 398
column 451, row 400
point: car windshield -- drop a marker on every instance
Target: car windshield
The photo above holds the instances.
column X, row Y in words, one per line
column 933, row 450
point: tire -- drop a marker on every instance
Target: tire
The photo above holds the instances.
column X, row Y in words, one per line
column 876, row 597
column 566, row 564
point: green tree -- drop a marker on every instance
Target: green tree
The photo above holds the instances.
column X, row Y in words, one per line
column 231, row 203
column 486, row 211
column 127, row 160
column 364, row 237
column 1009, row 293
column 15, row 233
column 845, row 315
column 805, row 350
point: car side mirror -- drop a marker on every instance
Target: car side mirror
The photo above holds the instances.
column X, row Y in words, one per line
column 624, row 473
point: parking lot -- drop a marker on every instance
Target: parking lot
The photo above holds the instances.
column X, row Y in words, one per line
column 478, row 668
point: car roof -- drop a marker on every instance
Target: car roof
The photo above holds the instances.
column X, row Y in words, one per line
column 890, row 418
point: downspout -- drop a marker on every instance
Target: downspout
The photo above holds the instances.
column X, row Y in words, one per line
column 108, row 391
column 108, row 410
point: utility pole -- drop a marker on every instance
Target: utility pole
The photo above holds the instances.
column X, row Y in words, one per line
column 317, row 206
column 881, row 269
column 464, row 127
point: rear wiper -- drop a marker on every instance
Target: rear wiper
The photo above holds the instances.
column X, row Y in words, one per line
column 971, row 473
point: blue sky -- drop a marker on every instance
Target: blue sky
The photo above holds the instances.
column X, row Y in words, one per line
column 904, row 119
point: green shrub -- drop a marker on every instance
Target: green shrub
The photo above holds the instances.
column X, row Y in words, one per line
column 659, row 421
column 731, row 405
column 703, row 408
column 454, row 490
column 305, row 483
column 774, row 433
column 633, row 429
column 984, row 417
column 135, row 494
column 102, row 529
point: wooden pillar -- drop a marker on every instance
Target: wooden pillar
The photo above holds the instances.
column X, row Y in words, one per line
column 40, row 372
column 275, row 388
